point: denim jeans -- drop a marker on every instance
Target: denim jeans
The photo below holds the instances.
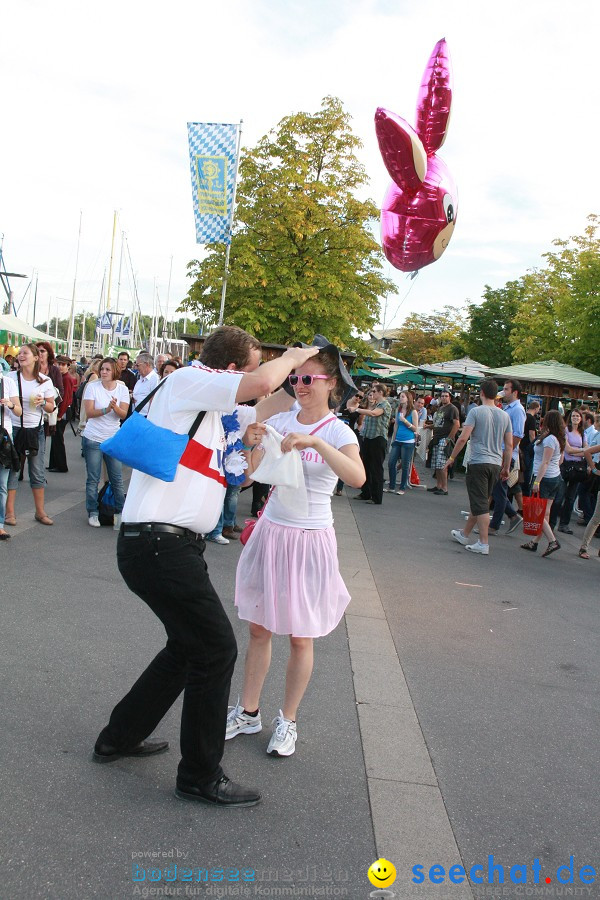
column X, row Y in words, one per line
column 168, row 572
column 93, row 456
column 4, row 473
column 502, row 504
column 528, row 455
column 227, row 517
column 400, row 450
column 35, row 464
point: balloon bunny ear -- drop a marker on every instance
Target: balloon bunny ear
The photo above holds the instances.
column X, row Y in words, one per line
column 435, row 99
column 402, row 151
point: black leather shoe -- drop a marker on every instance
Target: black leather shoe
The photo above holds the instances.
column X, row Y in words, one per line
column 104, row 753
column 221, row 792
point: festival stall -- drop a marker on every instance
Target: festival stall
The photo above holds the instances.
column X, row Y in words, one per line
column 14, row 332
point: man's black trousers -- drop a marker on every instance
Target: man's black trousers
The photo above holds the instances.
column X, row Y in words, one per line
column 168, row 572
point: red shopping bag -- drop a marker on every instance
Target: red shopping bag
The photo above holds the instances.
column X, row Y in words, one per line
column 534, row 510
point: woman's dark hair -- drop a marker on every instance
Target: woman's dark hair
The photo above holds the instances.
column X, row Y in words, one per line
column 36, row 366
column 113, row 366
column 570, row 427
column 553, row 424
column 48, row 348
column 489, row 388
column 228, row 344
column 169, row 362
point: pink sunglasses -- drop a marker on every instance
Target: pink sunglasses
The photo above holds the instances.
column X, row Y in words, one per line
column 305, row 379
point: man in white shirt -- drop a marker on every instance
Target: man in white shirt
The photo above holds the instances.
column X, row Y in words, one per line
column 160, row 556
column 147, row 380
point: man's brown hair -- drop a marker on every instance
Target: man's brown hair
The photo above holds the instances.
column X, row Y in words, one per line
column 228, row 344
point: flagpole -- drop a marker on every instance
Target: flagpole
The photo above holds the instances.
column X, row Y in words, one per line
column 227, row 251
column 72, row 317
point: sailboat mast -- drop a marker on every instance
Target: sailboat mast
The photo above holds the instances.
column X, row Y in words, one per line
column 72, row 316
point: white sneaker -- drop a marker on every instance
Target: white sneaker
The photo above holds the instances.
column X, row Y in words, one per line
column 458, row 535
column 478, row 547
column 94, row 521
column 218, row 539
column 239, row 722
column 283, row 739
column 117, row 525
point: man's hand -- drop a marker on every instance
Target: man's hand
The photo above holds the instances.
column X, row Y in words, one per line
column 254, row 434
column 504, row 473
column 299, row 355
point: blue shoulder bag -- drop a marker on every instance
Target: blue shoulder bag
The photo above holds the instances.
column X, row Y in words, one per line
column 147, row 447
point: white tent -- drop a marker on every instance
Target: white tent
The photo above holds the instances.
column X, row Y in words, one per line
column 14, row 332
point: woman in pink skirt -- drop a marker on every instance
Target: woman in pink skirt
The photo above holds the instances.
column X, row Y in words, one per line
column 288, row 579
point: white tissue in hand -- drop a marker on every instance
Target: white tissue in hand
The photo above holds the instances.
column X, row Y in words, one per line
column 283, row 470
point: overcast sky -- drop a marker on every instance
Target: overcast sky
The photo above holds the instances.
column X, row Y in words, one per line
column 96, row 97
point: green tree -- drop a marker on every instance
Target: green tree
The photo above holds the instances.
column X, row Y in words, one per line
column 426, row 339
column 573, row 276
column 536, row 331
column 303, row 256
column 492, row 322
column 559, row 316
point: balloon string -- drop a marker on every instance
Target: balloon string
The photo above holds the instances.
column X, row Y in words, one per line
column 413, row 277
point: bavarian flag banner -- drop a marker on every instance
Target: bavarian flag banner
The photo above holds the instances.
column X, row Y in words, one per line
column 213, row 165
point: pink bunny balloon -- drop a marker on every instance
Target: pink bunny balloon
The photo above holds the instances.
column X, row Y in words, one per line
column 419, row 209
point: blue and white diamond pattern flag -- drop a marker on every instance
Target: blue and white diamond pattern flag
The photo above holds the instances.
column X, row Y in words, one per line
column 213, row 163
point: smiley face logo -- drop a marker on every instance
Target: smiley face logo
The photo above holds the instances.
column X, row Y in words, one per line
column 382, row 873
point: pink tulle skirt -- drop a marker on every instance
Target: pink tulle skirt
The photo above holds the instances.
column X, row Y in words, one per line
column 288, row 580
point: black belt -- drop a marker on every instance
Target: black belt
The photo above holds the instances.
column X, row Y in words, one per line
column 134, row 529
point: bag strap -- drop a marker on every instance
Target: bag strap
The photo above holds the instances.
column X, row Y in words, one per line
column 197, row 420
column 322, row 425
column 20, row 396
column 21, row 402
column 196, row 424
column 149, row 396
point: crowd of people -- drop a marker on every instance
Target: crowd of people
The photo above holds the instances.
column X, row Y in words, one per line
column 288, row 580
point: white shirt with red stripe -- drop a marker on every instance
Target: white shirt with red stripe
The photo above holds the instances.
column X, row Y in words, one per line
column 195, row 499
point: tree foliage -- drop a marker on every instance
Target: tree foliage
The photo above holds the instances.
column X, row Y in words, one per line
column 303, row 258
column 491, row 324
column 549, row 313
column 560, row 314
column 437, row 337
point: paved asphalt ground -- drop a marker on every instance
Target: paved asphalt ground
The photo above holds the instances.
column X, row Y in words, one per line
column 495, row 682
